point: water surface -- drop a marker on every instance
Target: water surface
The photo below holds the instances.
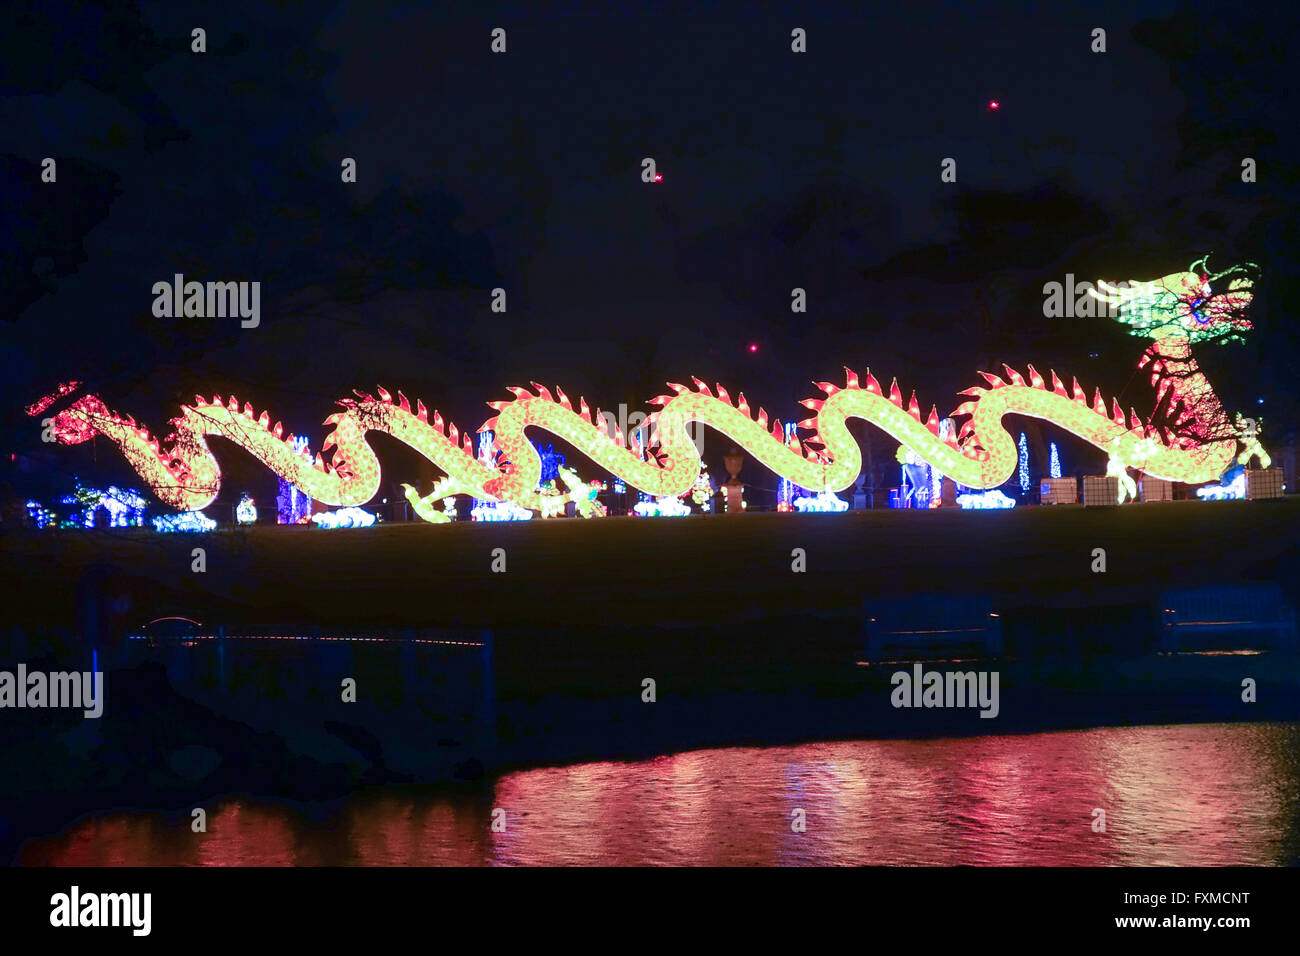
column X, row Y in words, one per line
column 1208, row 794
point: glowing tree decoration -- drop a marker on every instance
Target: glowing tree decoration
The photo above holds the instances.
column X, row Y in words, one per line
column 499, row 511
column 1188, row 437
column 343, row 518
column 665, row 507
column 41, row 516
column 123, row 508
column 1024, row 464
column 1054, row 467
column 551, row 465
column 985, row 501
column 183, row 521
column 246, row 510
column 292, row 504
column 822, row 501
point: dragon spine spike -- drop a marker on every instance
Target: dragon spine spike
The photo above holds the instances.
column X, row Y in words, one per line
column 722, row 394
column 1035, row 379
column 518, row 392
column 1136, row 419
column 422, row 413
column 248, row 410
column 850, row 378
column 973, row 392
column 700, row 386
column 743, row 405
column 872, row 384
column 489, row 425
column 453, row 433
column 806, row 423
column 437, row 421
column 1058, row 386
column 264, row 419
column 913, row 408
column 402, row 402
column 543, row 392
column 993, row 380
column 278, row 430
column 200, row 401
column 932, row 422
column 495, row 406
column 660, row 400
column 1117, row 414
column 762, row 418
column 1099, row 404
column 327, row 443
column 233, row 405
column 583, row 410
column 895, row 395
column 827, row 387
column 1015, row 376
column 384, row 395
column 1080, row 395
column 814, row 404
column 562, row 398
column 216, row 400
column 678, row 387
column 777, row 431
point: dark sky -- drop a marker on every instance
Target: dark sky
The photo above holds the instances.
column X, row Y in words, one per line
column 522, row 171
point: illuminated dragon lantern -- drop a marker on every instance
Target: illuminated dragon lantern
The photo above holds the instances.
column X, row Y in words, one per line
column 1187, row 438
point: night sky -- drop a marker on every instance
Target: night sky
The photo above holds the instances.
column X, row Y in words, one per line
column 523, row 170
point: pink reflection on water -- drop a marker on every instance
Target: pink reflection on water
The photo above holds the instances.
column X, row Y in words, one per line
column 1200, row 794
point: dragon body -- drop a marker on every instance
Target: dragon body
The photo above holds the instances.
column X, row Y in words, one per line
column 1189, row 438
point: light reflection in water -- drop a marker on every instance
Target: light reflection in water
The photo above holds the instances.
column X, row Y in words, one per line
column 1202, row 794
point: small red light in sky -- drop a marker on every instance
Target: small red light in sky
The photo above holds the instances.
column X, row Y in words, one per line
column 993, row 104
column 753, row 347
column 658, row 178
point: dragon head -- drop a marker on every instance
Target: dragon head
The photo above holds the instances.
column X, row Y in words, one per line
column 1199, row 304
column 70, row 426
